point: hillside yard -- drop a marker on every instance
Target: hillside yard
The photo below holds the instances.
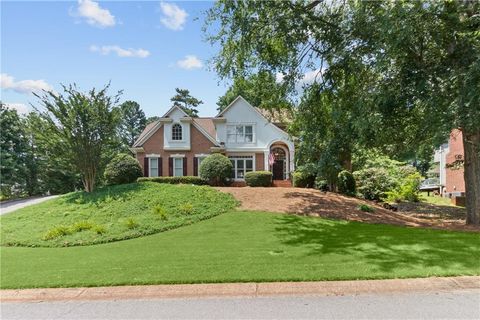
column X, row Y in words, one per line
column 314, row 203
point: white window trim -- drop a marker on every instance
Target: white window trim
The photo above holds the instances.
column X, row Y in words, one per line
column 171, row 133
column 177, row 155
column 234, row 124
column 150, row 166
column 153, row 155
column 243, row 155
column 173, row 165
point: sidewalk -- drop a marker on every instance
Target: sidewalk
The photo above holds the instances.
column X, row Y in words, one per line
column 321, row 288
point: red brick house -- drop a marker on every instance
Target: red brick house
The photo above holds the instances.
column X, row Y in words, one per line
column 454, row 179
column 176, row 144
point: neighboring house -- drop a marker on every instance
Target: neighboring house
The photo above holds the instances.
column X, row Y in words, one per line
column 176, row 144
column 451, row 179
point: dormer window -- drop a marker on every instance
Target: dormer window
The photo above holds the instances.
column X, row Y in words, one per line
column 177, row 132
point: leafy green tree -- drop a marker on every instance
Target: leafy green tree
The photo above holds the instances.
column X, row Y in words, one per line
column 152, row 119
column 85, row 126
column 186, row 102
column 132, row 123
column 413, row 67
column 13, row 150
column 261, row 90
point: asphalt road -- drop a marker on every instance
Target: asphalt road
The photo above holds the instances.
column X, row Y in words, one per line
column 10, row 206
column 464, row 304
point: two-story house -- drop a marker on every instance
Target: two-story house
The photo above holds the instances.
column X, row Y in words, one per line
column 176, row 144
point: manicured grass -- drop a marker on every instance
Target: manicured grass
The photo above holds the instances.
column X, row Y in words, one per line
column 249, row 246
column 112, row 213
column 437, row 200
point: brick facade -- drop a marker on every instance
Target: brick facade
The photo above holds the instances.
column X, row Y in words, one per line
column 154, row 145
column 259, row 162
column 454, row 181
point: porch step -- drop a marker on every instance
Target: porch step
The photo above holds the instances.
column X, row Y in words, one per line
column 282, row 183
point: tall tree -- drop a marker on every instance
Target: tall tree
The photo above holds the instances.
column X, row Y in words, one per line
column 85, row 124
column 132, row 122
column 186, row 102
column 261, row 90
column 13, row 150
column 416, row 64
column 152, row 119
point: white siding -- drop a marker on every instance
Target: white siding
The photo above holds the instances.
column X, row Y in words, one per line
column 170, row 144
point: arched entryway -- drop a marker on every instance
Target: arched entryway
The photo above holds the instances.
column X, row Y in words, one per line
column 279, row 162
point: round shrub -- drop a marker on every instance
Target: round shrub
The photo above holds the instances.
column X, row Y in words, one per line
column 346, row 183
column 321, row 184
column 123, row 168
column 304, row 176
column 373, row 183
column 216, row 169
column 258, row 179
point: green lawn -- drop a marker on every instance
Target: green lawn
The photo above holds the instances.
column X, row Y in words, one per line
column 249, row 246
column 112, row 213
column 437, row 200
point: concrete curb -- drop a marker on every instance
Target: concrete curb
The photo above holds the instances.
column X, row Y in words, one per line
column 321, row 288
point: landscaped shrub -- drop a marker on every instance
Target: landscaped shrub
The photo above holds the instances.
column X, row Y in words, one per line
column 258, row 179
column 131, row 223
column 186, row 209
column 373, row 183
column 409, row 190
column 161, row 212
column 82, row 226
column 365, row 208
column 304, row 176
column 56, row 232
column 123, row 168
column 321, row 184
column 216, row 169
column 346, row 183
column 175, row 180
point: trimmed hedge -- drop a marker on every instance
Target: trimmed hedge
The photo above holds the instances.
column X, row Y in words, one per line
column 175, row 180
column 123, row 168
column 258, row 179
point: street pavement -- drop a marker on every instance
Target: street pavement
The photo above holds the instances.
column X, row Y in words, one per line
column 456, row 304
column 9, row 206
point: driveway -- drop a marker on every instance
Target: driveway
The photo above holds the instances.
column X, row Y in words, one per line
column 9, row 206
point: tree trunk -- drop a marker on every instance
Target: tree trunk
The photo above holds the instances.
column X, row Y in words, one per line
column 471, row 147
column 89, row 180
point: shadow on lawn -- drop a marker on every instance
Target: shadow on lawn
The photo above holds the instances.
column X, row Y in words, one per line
column 101, row 195
column 386, row 247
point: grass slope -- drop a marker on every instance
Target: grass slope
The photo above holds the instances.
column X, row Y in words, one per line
column 249, row 246
column 112, row 213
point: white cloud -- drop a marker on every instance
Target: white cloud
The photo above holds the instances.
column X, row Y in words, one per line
column 23, row 86
column 190, row 62
column 173, row 16
column 94, row 14
column 121, row 52
column 20, row 107
column 312, row 76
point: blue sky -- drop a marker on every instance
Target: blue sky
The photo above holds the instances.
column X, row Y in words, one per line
column 145, row 49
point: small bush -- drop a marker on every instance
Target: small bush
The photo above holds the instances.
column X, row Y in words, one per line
column 304, row 176
column 409, row 190
column 131, row 223
column 346, row 183
column 258, row 179
column 321, row 184
column 365, row 208
column 123, row 168
column 82, row 226
column 161, row 212
column 57, row 232
column 216, row 169
column 186, row 209
column 175, row 180
column 373, row 183
column 98, row 229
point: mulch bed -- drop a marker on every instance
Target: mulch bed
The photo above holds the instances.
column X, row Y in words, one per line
column 315, row 203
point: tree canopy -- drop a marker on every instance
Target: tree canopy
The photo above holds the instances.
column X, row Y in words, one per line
column 186, row 102
column 405, row 72
column 132, row 122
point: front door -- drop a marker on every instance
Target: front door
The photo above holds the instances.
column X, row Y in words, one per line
column 277, row 170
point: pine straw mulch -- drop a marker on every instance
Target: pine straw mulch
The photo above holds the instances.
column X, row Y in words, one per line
column 310, row 202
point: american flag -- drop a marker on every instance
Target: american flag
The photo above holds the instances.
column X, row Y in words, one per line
column 271, row 159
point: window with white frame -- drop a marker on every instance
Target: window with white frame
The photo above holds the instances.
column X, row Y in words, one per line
column 177, row 131
column 178, row 167
column 241, row 165
column 153, row 165
column 240, row 133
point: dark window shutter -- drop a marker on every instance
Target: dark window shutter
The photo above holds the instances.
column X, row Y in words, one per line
column 160, row 167
column 185, row 166
column 170, row 167
column 145, row 167
column 195, row 166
